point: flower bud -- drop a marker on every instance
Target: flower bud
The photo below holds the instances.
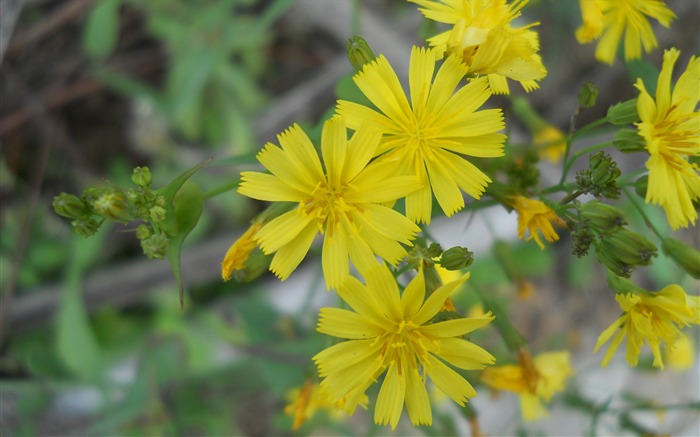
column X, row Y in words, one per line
column 588, row 95
column 612, row 263
column 685, row 256
column 603, row 169
column 624, row 113
column 629, row 141
column 70, row 206
column 112, row 205
column 434, row 250
column 605, row 218
column 143, row 232
column 456, row 258
column 155, row 246
column 86, row 227
column 359, row 52
column 156, row 214
column 629, row 248
column 141, row 176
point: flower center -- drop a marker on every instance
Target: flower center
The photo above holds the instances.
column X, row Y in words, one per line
column 326, row 204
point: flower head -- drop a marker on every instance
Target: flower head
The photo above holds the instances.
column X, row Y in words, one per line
column 240, row 250
column 482, row 36
column 389, row 332
column 536, row 217
column 427, row 136
column 309, row 398
column 612, row 18
column 341, row 202
column 534, row 380
column 670, row 125
column 654, row 318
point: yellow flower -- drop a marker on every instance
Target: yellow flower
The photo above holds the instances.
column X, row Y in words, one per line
column 537, row 217
column 533, row 380
column 650, row 317
column 483, row 38
column 671, row 127
column 680, row 357
column 342, row 202
column 310, row 397
column 550, row 141
column 389, row 331
column 238, row 253
column 427, row 137
column 612, row 18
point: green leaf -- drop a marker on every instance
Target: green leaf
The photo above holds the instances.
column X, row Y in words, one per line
column 649, row 74
column 102, row 29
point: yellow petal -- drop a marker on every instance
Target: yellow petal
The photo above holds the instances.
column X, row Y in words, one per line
column 289, row 256
column 464, row 354
column 390, row 399
column 346, row 324
column 270, row 188
column 334, row 148
column 448, row 381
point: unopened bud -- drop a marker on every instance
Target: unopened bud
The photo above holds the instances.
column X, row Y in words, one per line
column 113, row 206
column 359, row 52
column 588, row 95
column 603, row 169
column 156, row 214
column 434, row 250
column 141, row 176
column 143, row 232
column 605, row 218
column 612, row 263
column 456, row 258
column 629, row 248
column 70, row 206
column 86, row 227
column 685, row 256
column 624, row 113
column 155, row 246
column 629, row 141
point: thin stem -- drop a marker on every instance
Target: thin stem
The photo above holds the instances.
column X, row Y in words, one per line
column 589, row 127
column 571, row 196
column 641, row 212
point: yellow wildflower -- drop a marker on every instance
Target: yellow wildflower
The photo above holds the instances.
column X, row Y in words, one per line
column 671, row 127
column 550, row 141
column 240, row 250
column 650, row 317
column 310, row 397
column 536, row 217
column 533, row 380
column 427, row 137
column 388, row 331
column 482, row 36
column 612, row 18
column 342, row 203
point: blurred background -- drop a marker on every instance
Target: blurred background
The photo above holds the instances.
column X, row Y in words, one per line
column 92, row 338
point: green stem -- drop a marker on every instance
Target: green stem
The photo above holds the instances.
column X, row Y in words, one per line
column 589, row 127
column 571, row 196
column 641, row 212
column 222, row 189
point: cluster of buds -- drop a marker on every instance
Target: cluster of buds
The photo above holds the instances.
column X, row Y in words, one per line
column 521, row 169
column 600, row 177
column 96, row 205
column 618, row 248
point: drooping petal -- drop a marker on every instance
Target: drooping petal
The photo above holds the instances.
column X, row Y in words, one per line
column 417, row 401
column 391, row 397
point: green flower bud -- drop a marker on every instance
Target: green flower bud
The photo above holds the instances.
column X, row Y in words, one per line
column 599, row 179
column 629, row 141
column 91, row 194
column 359, row 52
column 588, row 95
column 70, row 206
column 685, row 256
column 434, row 250
column 629, row 248
column 605, row 218
column 86, row 227
column 583, row 238
column 113, row 206
column 143, row 232
column 141, row 176
column 612, row 263
column 155, row 246
column 624, row 113
column 456, row 258
column 621, row 285
column 156, row 214
column 256, row 265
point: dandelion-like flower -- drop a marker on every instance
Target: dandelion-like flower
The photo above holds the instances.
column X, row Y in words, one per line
column 536, row 217
column 651, row 317
column 610, row 19
column 670, row 124
column 389, row 332
column 427, row 137
column 534, row 380
column 342, row 203
column 482, row 36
